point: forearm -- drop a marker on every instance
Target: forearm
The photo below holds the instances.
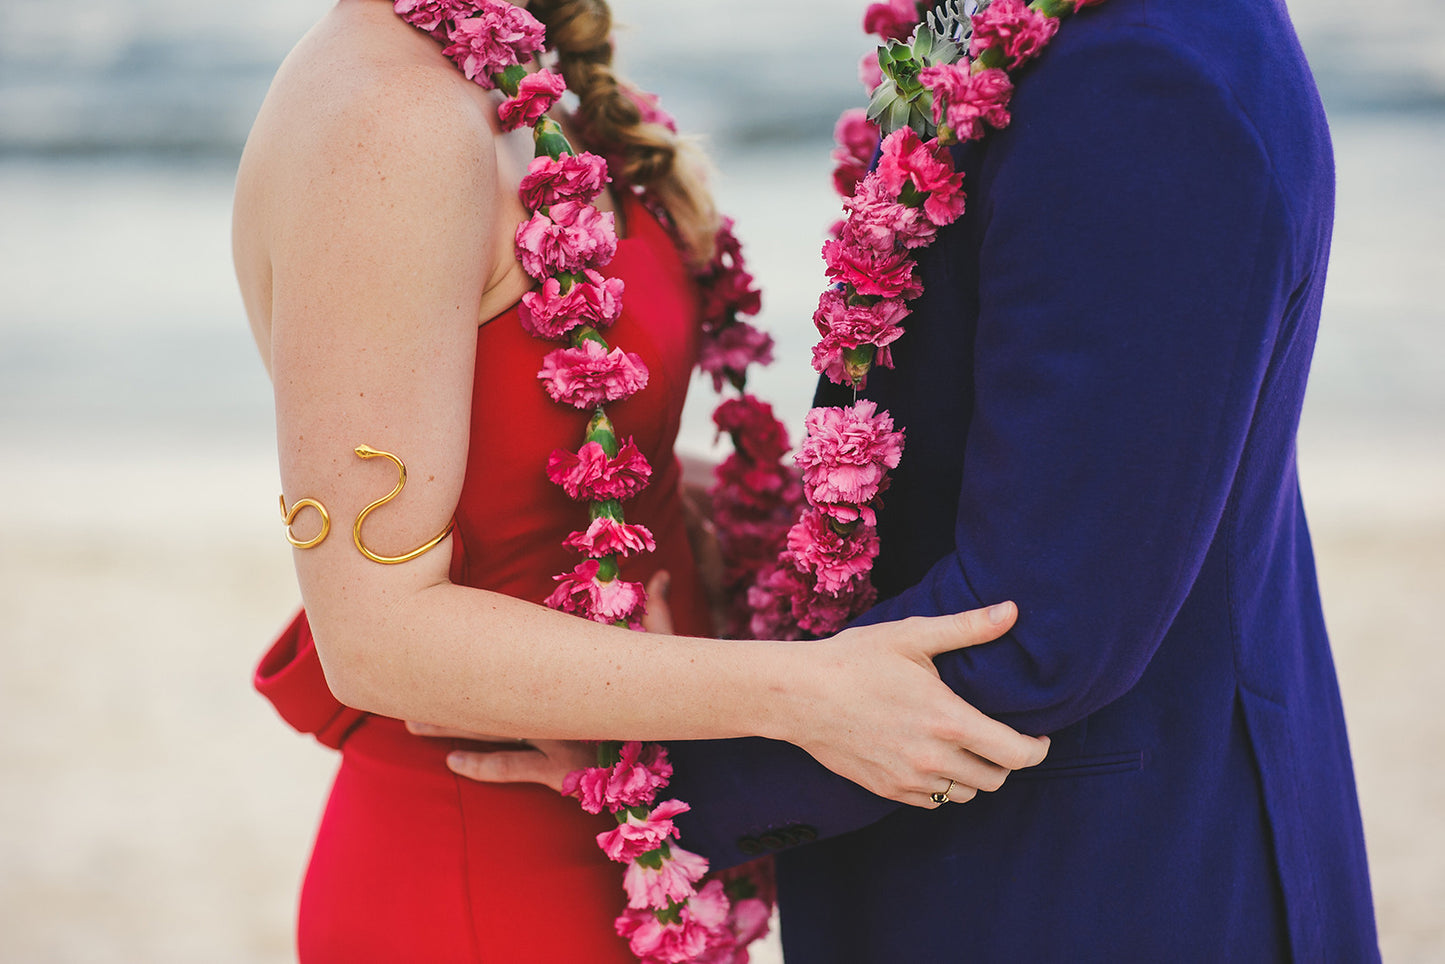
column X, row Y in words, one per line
column 486, row 662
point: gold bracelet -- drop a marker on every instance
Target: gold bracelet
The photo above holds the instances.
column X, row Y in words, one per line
column 367, row 452
column 290, row 517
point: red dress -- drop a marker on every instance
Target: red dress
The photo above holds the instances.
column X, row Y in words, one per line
column 413, row 863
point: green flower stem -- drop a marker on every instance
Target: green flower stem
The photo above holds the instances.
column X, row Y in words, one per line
column 609, row 754
column 548, row 139
column 586, row 333
column 1053, row 8
column 607, row 509
column 653, row 858
column 989, row 59
column 601, row 430
column 606, row 568
column 857, row 362
column 740, row 888
column 509, row 81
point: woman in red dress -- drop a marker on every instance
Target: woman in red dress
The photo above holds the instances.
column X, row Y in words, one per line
column 375, row 211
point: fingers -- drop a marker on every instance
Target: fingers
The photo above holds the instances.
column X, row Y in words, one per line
column 506, row 766
column 940, row 634
column 659, row 614
column 997, row 742
column 965, row 779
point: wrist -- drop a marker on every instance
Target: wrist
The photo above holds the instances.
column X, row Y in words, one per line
column 790, row 701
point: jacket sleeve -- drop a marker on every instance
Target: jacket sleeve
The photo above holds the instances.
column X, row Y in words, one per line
column 1133, row 241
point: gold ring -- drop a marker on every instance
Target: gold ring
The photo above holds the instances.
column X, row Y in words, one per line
column 942, row 797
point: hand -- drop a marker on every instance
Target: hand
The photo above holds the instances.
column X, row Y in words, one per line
column 881, row 717
column 522, row 761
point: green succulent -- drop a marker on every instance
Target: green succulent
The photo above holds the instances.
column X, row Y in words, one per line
column 900, row 100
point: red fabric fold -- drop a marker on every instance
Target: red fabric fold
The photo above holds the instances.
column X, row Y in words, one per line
column 290, row 676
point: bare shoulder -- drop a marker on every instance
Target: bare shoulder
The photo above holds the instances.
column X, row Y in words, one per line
column 369, row 141
column 365, row 110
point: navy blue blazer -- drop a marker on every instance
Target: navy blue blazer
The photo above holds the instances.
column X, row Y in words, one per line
column 1101, row 387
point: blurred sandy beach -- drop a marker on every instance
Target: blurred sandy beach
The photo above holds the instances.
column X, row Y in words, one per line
column 153, row 809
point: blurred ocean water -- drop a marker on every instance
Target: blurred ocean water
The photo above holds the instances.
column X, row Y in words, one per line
column 151, row 809
column 120, row 125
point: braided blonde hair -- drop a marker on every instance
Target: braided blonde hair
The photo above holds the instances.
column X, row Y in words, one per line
column 651, row 155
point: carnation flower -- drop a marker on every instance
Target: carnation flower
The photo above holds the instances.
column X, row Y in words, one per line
column 833, row 560
column 429, row 15
column 547, row 313
column 710, row 909
column 755, row 484
column 654, row 942
column 846, row 325
column 536, row 93
column 823, row 614
column 906, row 160
column 870, row 74
column 748, row 920
column 965, row 101
column 727, row 353
column 502, row 35
column 771, row 600
column 893, row 20
column 570, row 236
column 700, row 935
column 847, row 453
column 606, row 536
column 857, row 139
column 856, row 135
column 878, row 220
column 788, row 603
column 1021, row 31
column 870, row 272
column 641, row 770
column 656, row 886
column 831, row 360
column 846, row 514
column 571, row 177
column 638, row 835
column 581, row 593
column 728, row 289
column 649, row 106
column 590, row 475
column 589, row 374
column 755, row 430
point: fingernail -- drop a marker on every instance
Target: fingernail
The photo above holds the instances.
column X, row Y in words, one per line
column 999, row 612
column 456, row 759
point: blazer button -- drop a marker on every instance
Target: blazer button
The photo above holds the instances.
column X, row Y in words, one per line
column 749, row 846
column 804, row 833
column 773, row 840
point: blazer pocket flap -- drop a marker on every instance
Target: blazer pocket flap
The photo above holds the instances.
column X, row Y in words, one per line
column 1082, row 766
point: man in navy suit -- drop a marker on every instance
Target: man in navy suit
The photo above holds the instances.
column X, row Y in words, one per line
column 1101, row 387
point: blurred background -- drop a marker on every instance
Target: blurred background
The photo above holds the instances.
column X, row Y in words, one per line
column 153, row 809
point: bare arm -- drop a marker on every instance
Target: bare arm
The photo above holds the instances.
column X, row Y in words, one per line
column 383, row 241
